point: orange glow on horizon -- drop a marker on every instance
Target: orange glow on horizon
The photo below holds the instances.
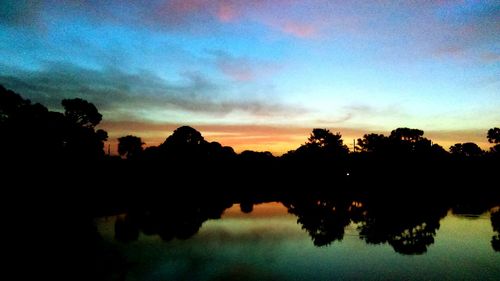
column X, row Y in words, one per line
column 275, row 139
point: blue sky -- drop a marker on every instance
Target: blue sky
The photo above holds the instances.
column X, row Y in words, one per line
column 261, row 74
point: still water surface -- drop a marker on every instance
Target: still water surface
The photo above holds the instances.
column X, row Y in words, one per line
column 269, row 243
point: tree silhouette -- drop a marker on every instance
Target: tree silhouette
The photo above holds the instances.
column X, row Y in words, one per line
column 405, row 141
column 10, row 104
column 130, row 146
column 323, row 138
column 407, row 134
column 456, row 149
column 322, row 145
column 373, row 143
column 188, row 145
column 468, row 149
column 494, row 135
column 216, row 152
column 185, row 145
column 184, row 136
column 81, row 112
column 255, row 156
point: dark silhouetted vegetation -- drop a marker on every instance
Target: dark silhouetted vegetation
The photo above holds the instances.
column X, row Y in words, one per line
column 32, row 133
column 495, row 223
column 408, row 225
column 396, row 188
column 130, row 147
column 468, row 149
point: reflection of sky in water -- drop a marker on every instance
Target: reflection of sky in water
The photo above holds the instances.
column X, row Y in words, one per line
column 269, row 245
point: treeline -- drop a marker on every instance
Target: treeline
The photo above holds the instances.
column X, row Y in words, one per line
column 30, row 133
column 56, row 177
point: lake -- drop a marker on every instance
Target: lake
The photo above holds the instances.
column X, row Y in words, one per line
column 303, row 239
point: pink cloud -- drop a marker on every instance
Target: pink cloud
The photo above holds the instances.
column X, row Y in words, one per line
column 300, row 30
column 427, row 25
column 278, row 15
column 186, row 6
column 226, row 12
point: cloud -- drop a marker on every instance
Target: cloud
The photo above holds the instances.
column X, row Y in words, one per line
column 227, row 12
column 301, row 30
column 491, row 57
column 368, row 110
column 243, row 69
column 360, row 115
column 112, row 89
column 431, row 25
column 21, row 12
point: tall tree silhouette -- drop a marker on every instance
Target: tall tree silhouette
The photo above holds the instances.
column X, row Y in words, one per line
column 29, row 130
column 321, row 145
column 36, row 133
column 406, row 140
column 494, row 135
column 82, row 141
column 81, row 112
column 130, row 146
column 323, row 138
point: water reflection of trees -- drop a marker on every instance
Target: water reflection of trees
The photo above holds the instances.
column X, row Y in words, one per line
column 495, row 223
column 408, row 226
column 175, row 219
column 323, row 219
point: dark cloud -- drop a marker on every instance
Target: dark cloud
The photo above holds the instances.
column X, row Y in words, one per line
column 24, row 13
column 114, row 89
column 243, row 69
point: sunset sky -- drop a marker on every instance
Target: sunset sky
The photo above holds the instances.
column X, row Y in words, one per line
column 257, row 74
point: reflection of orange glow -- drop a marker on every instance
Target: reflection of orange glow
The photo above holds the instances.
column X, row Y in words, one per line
column 357, row 204
column 264, row 210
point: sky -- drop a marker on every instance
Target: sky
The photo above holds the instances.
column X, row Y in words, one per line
column 259, row 75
